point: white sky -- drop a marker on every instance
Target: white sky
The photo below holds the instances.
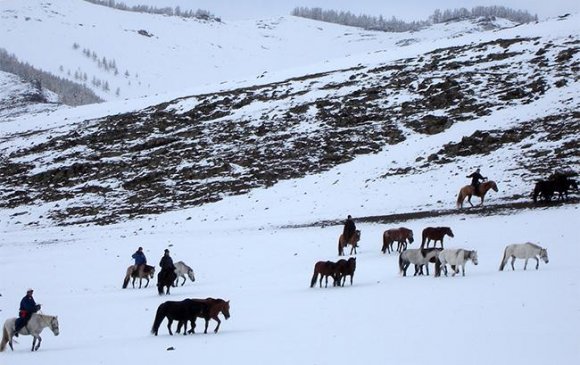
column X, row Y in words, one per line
column 407, row 10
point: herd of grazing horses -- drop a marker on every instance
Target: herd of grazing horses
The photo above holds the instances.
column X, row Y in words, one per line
column 559, row 182
column 188, row 310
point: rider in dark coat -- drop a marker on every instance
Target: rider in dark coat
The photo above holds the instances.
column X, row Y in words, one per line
column 140, row 261
column 475, row 180
column 349, row 229
column 27, row 307
column 167, row 266
column 166, row 262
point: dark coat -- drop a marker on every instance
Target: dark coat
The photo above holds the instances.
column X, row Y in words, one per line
column 28, row 305
column 475, row 177
column 166, row 263
column 349, row 229
column 140, row 258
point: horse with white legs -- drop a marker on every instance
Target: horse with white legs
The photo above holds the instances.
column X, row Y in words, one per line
column 457, row 257
column 525, row 251
column 33, row 328
column 181, row 269
column 417, row 257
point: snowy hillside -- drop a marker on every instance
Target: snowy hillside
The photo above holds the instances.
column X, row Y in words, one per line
column 249, row 181
column 123, row 55
column 509, row 97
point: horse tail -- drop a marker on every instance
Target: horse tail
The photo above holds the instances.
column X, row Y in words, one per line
column 158, row 318
column 503, row 260
column 126, row 281
column 314, row 277
column 5, row 338
column 401, row 263
column 460, row 198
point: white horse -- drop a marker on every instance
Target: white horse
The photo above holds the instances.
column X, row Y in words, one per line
column 181, row 269
column 457, row 257
column 525, row 251
column 33, row 328
column 417, row 257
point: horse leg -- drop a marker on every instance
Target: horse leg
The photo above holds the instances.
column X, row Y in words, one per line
column 206, row 324
column 33, row 343
column 469, row 200
column 147, row 283
column 184, row 280
column 169, row 323
column 218, row 325
column 513, row 260
column 537, row 262
column 140, row 282
column 526, row 263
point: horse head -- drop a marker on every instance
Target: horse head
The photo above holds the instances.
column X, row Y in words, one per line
column 225, row 309
column 54, row 325
column 152, row 272
column 190, row 274
column 473, row 256
column 492, row 185
column 544, row 255
column 449, row 232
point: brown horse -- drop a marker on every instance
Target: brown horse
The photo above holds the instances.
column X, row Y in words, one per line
column 345, row 268
column 353, row 242
column 468, row 191
column 148, row 273
column 325, row 269
column 215, row 307
column 435, row 234
column 400, row 235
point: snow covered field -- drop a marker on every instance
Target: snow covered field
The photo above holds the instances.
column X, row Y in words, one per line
column 241, row 252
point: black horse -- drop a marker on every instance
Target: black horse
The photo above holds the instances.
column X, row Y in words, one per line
column 165, row 278
column 182, row 312
column 557, row 183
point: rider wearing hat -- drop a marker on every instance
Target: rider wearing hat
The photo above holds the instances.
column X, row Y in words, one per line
column 27, row 307
column 166, row 262
column 475, row 180
column 140, row 261
column 349, row 228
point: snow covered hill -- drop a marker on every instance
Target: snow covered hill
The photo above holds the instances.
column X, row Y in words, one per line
column 511, row 98
column 249, row 180
column 124, row 55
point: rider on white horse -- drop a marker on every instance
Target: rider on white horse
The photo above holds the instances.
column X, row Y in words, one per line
column 27, row 307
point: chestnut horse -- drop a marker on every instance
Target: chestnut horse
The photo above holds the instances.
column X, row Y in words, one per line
column 435, row 234
column 325, row 269
column 353, row 242
column 468, row 191
column 214, row 308
column 401, row 235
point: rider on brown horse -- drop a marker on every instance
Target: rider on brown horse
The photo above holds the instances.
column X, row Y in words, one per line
column 349, row 229
column 475, row 181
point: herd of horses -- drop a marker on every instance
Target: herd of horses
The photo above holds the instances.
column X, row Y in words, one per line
column 184, row 311
column 420, row 257
column 188, row 310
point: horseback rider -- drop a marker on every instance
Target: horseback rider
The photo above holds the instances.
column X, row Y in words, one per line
column 349, row 229
column 27, row 307
column 475, row 180
column 166, row 262
column 140, row 261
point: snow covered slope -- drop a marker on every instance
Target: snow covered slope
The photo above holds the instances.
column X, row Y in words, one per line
column 122, row 54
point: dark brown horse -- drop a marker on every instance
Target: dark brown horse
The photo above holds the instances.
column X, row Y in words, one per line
column 324, row 269
column 468, row 191
column 148, row 272
column 345, row 268
column 165, row 278
column 353, row 242
column 215, row 307
column 399, row 235
column 435, row 234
